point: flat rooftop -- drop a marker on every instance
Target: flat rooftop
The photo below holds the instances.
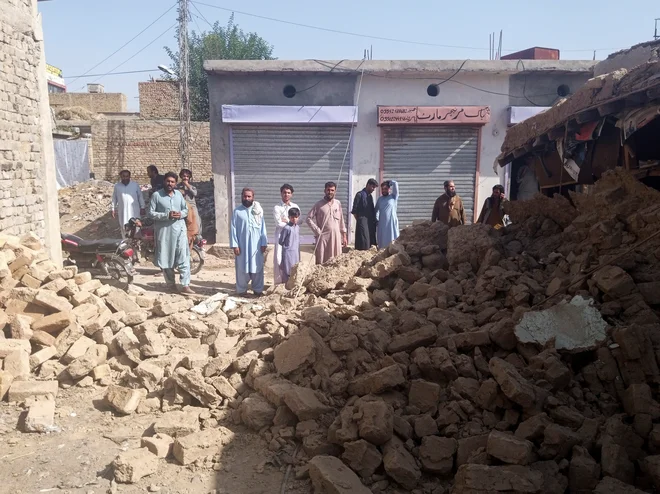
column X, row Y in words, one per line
column 397, row 67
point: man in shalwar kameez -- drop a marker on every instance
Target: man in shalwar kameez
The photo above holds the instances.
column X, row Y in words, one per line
column 326, row 220
column 169, row 210
column 281, row 216
column 249, row 241
column 387, row 230
column 127, row 200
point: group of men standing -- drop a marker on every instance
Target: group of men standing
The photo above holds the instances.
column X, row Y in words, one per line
column 173, row 207
column 376, row 225
column 449, row 208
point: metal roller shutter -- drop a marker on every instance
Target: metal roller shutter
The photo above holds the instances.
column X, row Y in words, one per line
column 265, row 157
column 420, row 159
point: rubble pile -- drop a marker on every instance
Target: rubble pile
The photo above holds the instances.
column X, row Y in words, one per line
column 470, row 359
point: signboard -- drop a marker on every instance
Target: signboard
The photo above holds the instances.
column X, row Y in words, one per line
column 433, row 115
column 54, row 76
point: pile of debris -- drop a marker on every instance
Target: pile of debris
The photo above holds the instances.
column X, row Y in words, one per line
column 77, row 113
column 85, row 209
column 482, row 360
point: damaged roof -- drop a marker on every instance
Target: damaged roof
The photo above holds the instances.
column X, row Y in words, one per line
column 601, row 96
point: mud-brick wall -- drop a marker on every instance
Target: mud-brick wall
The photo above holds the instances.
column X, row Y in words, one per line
column 21, row 183
column 159, row 99
column 135, row 144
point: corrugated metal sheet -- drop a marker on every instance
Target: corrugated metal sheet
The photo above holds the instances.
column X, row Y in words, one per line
column 265, row 157
column 422, row 158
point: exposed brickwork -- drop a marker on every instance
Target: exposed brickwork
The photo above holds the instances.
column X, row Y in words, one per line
column 94, row 102
column 21, row 184
column 135, row 144
column 159, row 99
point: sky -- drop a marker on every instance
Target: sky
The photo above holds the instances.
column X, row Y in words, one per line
column 78, row 37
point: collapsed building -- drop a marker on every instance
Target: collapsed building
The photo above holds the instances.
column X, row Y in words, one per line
column 610, row 122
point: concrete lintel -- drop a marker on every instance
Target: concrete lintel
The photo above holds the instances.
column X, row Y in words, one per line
column 403, row 68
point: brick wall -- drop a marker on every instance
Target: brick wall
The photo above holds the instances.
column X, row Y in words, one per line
column 159, row 99
column 135, row 144
column 21, row 180
column 94, row 102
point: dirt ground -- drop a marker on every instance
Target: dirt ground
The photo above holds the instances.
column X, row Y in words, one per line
column 77, row 458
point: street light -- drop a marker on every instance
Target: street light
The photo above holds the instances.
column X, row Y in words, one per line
column 166, row 69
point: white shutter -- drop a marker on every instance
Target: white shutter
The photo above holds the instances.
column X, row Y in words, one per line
column 265, row 157
column 420, row 159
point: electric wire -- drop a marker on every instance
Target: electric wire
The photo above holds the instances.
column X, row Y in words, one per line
column 368, row 36
column 124, row 45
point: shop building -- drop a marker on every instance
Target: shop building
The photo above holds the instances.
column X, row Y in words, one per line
column 418, row 122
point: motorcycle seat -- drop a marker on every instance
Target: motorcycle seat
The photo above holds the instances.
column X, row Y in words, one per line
column 91, row 245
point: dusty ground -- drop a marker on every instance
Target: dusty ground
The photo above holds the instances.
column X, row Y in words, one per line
column 76, row 459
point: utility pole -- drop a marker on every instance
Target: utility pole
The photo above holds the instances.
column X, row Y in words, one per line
column 184, row 89
column 656, row 35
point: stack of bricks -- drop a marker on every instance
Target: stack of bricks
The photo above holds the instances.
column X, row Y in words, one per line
column 159, row 99
column 135, row 144
column 21, row 187
column 94, row 102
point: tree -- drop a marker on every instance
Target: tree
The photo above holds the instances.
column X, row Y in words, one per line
column 221, row 43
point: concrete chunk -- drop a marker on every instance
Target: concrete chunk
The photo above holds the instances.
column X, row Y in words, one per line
column 304, row 403
column 177, row 423
column 298, row 350
column 119, row 301
column 17, row 363
column 93, row 357
column 10, row 346
column 377, row 382
column 161, row 445
column 575, row 327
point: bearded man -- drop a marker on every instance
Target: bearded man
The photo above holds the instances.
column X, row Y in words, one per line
column 449, row 208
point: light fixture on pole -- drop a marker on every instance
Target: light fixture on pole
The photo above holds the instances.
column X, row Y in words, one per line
column 165, row 69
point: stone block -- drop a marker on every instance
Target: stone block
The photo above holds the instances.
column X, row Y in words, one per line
column 54, row 322
column 198, row 445
column 51, row 301
column 509, row 449
column 378, row 381
column 5, row 383
column 10, row 346
column 224, row 387
column 17, row 363
column 177, row 423
column 330, row 476
column 23, row 390
column 424, row 395
column 42, row 338
column 131, row 466
column 20, row 326
column 363, row 457
column 77, row 350
column 123, row 400
column 437, row 454
column 295, row 352
column 256, row 412
column 160, row 445
column 93, row 357
column 400, row 464
column 493, row 479
column 40, row 416
column 304, row 403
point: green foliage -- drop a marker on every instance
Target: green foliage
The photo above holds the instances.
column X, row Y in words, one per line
column 221, row 43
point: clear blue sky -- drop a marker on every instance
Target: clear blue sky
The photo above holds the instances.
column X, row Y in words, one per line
column 78, row 36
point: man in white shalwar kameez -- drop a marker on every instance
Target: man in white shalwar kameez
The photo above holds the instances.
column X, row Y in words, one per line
column 127, row 200
column 281, row 216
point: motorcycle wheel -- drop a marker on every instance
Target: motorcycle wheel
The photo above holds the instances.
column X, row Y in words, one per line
column 196, row 260
column 118, row 271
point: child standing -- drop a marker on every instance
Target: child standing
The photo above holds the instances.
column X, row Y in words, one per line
column 290, row 242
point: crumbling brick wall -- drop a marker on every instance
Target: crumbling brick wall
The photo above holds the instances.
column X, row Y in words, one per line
column 159, row 99
column 135, row 144
column 21, row 183
column 94, row 102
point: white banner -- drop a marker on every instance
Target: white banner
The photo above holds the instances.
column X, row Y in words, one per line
column 272, row 114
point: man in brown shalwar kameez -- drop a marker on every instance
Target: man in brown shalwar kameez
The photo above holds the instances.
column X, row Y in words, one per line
column 326, row 219
column 448, row 208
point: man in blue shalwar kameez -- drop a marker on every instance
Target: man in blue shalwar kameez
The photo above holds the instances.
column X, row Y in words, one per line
column 249, row 241
column 387, row 229
column 168, row 209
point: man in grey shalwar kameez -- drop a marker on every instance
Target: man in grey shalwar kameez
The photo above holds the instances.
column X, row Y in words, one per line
column 168, row 208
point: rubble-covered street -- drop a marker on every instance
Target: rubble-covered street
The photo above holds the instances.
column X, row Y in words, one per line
column 527, row 362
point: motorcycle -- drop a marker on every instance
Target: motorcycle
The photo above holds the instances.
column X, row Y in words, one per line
column 110, row 256
column 140, row 233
